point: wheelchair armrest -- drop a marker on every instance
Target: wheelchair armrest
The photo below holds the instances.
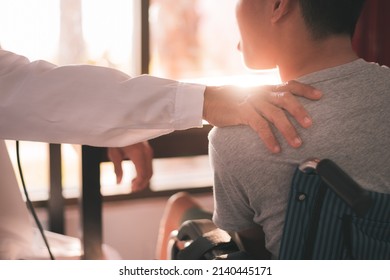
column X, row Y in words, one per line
column 341, row 183
column 192, row 229
column 203, row 240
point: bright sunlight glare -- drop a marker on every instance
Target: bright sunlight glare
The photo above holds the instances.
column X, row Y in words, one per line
column 30, row 28
column 108, row 31
column 258, row 78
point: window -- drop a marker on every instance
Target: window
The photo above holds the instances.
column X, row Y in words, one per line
column 197, row 40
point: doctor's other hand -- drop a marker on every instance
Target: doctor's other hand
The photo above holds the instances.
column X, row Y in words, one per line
column 141, row 154
column 259, row 106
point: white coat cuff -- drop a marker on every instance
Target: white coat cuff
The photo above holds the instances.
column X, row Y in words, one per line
column 189, row 105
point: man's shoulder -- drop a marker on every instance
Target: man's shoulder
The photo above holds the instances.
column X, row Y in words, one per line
column 374, row 79
column 383, row 69
column 231, row 134
column 372, row 73
column 235, row 141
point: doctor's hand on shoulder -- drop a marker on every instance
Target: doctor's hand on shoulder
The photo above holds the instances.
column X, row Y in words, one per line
column 258, row 107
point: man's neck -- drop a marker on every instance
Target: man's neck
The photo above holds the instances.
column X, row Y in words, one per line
column 315, row 56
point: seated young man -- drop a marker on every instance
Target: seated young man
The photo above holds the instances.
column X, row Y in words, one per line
column 309, row 41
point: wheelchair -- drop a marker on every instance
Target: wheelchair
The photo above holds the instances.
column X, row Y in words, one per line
column 329, row 216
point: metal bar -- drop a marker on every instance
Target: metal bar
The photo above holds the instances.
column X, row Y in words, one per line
column 91, row 204
column 56, row 202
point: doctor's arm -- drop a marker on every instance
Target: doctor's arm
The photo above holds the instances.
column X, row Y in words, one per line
column 99, row 106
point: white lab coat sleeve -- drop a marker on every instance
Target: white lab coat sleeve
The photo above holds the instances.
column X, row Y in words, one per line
column 91, row 105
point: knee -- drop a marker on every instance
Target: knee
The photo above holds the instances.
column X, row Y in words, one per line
column 182, row 200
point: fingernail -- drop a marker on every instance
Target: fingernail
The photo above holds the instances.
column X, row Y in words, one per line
column 276, row 149
column 317, row 93
column 297, row 142
column 307, row 121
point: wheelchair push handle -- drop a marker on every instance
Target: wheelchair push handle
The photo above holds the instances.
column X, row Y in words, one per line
column 341, row 183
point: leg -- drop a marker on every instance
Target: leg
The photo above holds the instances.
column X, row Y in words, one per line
column 175, row 213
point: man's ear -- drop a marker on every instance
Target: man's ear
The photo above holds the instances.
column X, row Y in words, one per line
column 280, row 9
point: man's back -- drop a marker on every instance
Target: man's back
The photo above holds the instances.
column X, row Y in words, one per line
column 351, row 127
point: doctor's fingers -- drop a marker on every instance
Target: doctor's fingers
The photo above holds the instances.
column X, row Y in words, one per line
column 116, row 157
column 141, row 155
column 260, row 125
column 278, row 117
column 299, row 89
column 285, row 96
column 281, row 100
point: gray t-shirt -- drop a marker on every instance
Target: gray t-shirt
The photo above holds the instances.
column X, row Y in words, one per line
column 351, row 127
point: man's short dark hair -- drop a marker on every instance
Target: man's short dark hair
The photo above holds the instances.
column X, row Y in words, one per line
column 331, row 17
